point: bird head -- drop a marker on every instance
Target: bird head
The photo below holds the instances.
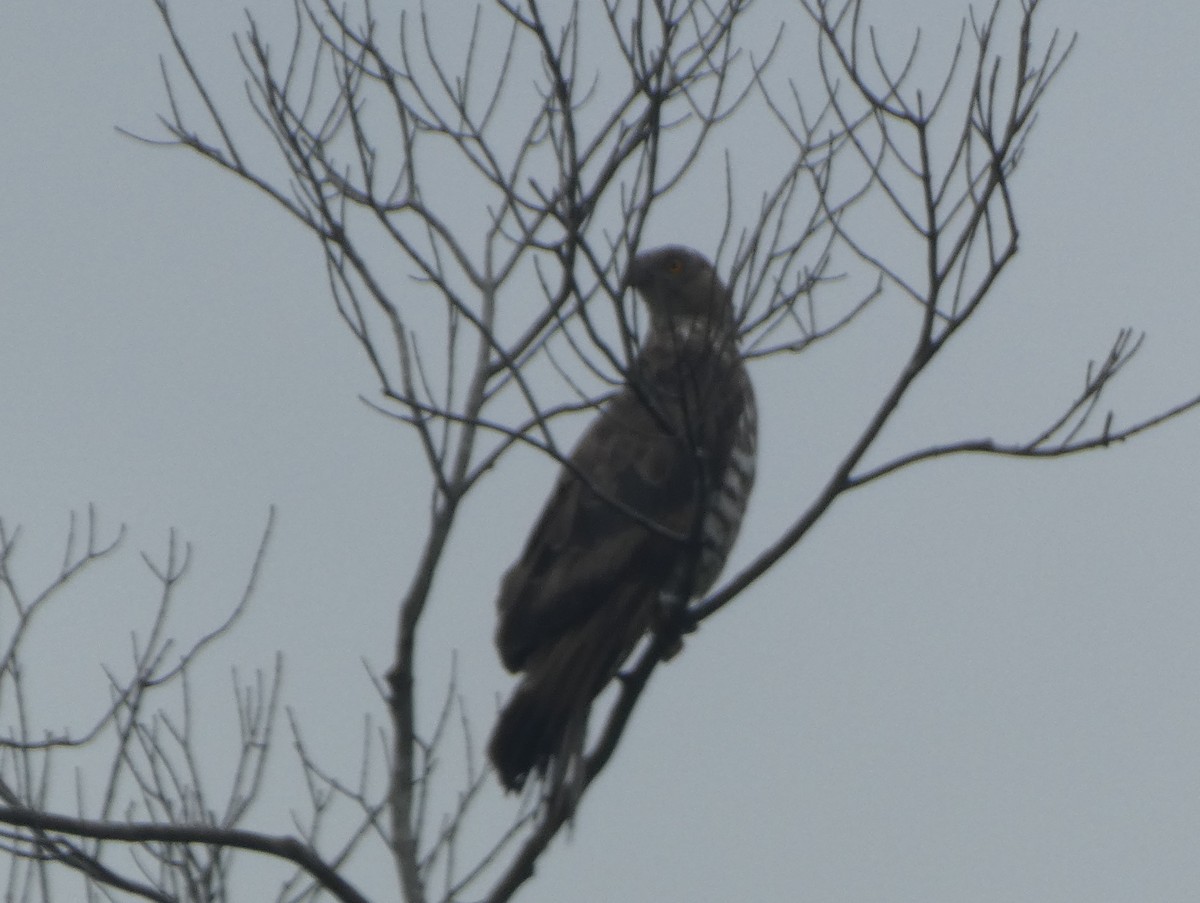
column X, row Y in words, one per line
column 681, row 289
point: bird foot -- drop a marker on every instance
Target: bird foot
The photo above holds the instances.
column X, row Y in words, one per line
column 671, row 624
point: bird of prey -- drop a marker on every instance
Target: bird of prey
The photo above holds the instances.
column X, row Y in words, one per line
column 641, row 519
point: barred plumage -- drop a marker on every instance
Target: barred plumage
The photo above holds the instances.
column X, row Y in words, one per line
column 724, row 517
column 646, row 512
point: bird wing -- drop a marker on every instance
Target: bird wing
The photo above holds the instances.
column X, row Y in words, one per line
column 587, row 543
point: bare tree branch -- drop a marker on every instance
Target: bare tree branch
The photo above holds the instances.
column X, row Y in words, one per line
column 153, row 832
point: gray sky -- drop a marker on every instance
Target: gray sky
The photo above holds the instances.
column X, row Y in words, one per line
column 975, row 681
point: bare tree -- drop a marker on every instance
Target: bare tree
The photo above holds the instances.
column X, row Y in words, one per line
column 477, row 194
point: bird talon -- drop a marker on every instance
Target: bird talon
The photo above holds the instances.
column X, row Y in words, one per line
column 674, row 647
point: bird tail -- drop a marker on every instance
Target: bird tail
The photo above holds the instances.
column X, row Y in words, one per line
column 543, row 728
column 540, row 731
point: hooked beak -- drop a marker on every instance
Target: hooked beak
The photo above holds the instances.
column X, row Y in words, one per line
column 639, row 274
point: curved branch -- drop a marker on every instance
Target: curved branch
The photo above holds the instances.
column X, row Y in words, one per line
column 1028, row 450
column 288, row 848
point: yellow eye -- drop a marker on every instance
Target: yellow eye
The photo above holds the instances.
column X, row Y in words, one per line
column 675, row 265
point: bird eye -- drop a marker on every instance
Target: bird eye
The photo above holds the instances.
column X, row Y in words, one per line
column 675, row 265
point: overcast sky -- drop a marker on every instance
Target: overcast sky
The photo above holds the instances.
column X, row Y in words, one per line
column 977, row 680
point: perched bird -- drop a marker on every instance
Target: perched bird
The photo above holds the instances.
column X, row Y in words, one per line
column 640, row 520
